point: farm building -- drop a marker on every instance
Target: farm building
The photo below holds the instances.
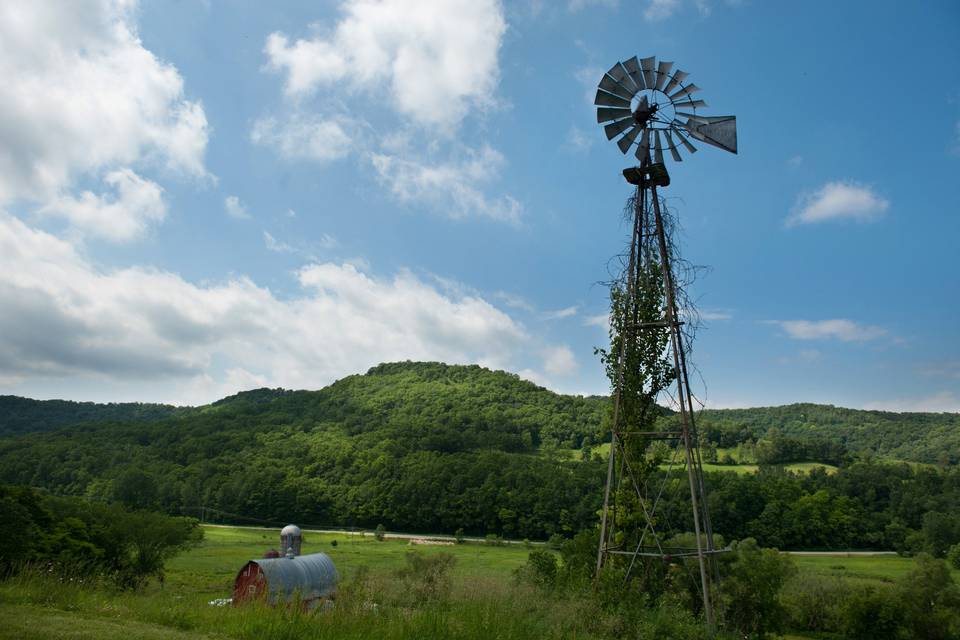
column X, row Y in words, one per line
column 311, row 578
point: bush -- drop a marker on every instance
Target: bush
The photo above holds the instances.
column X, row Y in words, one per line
column 931, row 600
column 813, row 602
column 333, row 543
column 494, row 540
column 380, row 533
column 870, row 612
column 541, row 569
column 751, row 581
column 427, row 576
column 556, row 541
column 458, row 535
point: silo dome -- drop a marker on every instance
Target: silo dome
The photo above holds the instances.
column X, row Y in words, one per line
column 291, row 539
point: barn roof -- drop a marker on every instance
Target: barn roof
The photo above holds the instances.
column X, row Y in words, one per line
column 313, row 575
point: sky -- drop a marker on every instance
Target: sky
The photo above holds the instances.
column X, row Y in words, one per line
column 202, row 197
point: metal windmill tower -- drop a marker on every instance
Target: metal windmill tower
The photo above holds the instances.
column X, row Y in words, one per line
column 651, row 108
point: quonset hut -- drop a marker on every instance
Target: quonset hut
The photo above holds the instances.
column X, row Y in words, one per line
column 311, row 578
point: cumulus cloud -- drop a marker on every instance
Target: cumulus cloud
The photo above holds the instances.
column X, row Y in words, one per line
column 63, row 316
column 836, row 329
column 452, row 188
column 82, row 97
column 838, row 201
column 432, row 61
column 559, row 361
column 235, row 208
column 124, row 215
column 305, row 136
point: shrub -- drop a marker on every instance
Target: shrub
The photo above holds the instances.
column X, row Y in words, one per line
column 813, row 602
column 333, row 543
column 870, row 612
column 541, row 569
column 458, row 535
column 494, row 540
column 427, row 576
column 931, row 600
column 380, row 533
column 751, row 581
column 556, row 541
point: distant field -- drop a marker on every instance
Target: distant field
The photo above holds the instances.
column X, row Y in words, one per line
column 603, row 450
column 211, row 567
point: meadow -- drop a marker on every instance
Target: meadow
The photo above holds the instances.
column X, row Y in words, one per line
column 481, row 596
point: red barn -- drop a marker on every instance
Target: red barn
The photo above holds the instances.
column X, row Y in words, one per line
column 312, row 578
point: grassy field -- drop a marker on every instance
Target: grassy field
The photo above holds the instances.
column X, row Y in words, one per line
column 482, row 596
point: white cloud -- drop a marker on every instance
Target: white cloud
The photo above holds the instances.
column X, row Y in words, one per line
column 83, row 97
column 601, row 320
column 326, row 241
column 433, row 61
column 453, row 188
column 578, row 140
column 838, row 329
column 559, row 361
column 711, row 316
column 235, row 208
column 514, row 301
column 660, row 9
column 275, row 245
column 838, row 201
column 560, row 313
column 126, row 215
column 795, row 161
column 939, row 402
column 64, row 317
column 303, row 136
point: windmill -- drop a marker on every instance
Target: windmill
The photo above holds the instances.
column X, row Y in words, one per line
column 650, row 109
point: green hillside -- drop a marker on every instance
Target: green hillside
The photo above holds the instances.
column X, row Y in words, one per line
column 435, row 448
column 23, row 415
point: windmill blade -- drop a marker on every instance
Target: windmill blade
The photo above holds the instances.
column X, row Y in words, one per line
column 632, row 67
column 675, row 81
column 663, row 72
column 657, row 147
column 692, row 104
column 605, row 99
column 610, row 85
column 626, row 141
column 619, row 74
column 692, row 116
column 649, row 75
column 616, row 128
column 673, row 147
column 607, row 113
column 627, row 80
column 643, row 150
column 721, row 132
column 686, row 143
column 686, row 91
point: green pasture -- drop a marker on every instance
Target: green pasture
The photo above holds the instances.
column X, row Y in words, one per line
column 483, row 595
column 210, row 568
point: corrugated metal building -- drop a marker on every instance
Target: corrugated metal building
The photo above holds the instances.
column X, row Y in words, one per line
column 312, row 578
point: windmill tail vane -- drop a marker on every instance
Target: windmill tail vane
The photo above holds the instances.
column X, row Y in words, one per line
column 651, row 108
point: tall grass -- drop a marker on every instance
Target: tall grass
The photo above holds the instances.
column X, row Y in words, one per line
column 376, row 607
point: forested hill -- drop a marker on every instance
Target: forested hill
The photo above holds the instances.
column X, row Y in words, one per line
column 916, row 437
column 23, row 415
column 434, row 448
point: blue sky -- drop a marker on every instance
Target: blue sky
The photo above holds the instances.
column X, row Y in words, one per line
column 202, row 197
